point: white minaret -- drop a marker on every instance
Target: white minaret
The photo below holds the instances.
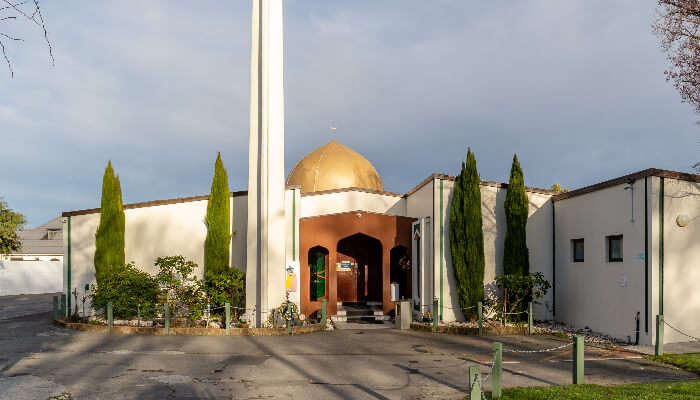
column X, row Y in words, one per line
column 266, row 227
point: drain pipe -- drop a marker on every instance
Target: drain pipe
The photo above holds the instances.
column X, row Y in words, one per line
column 636, row 336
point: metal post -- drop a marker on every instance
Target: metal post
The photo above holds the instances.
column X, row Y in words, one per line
column 480, row 309
column 167, row 319
column 63, row 305
column 55, row 308
column 578, row 360
column 435, row 315
column 529, row 318
column 228, row 318
column 324, row 311
column 474, row 383
column 496, row 373
column 659, row 350
column 110, row 317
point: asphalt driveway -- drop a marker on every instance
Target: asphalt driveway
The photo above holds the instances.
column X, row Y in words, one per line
column 38, row 360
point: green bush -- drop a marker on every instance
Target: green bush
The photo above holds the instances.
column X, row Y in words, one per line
column 126, row 288
column 518, row 290
column 218, row 241
column 109, row 238
column 182, row 290
column 227, row 287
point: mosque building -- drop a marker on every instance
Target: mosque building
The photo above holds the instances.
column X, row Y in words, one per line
column 617, row 253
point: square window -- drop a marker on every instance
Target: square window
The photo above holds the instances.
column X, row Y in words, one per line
column 615, row 248
column 577, row 246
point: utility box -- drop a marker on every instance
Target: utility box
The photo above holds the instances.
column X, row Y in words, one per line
column 394, row 292
column 404, row 315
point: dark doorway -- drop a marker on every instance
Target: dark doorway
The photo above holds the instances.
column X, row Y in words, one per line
column 318, row 271
column 401, row 270
column 359, row 269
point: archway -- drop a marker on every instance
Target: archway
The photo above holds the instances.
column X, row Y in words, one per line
column 400, row 271
column 318, row 271
column 359, row 269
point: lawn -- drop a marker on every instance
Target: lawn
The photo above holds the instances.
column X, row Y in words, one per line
column 688, row 361
column 645, row 391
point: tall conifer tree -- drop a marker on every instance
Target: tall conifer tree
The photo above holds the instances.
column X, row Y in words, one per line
column 515, row 253
column 467, row 237
column 109, row 239
column 216, row 246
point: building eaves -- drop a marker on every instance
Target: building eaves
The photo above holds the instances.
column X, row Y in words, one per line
column 662, row 173
column 483, row 183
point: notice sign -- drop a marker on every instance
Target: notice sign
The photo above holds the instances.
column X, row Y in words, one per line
column 344, row 266
column 291, row 275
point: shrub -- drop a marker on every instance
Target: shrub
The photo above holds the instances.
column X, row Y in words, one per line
column 519, row 289
column 126, row 288
column 182, row 290
column 227, row 286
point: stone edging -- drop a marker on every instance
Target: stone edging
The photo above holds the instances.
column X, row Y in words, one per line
column 463, row 330
column 133, row 330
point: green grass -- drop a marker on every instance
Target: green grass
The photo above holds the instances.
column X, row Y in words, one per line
column 644, row 391
column 688, row 361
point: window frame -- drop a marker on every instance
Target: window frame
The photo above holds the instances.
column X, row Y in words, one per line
column 574, row 242
column 610, row 239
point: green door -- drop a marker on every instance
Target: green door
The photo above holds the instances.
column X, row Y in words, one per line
column 317, row 266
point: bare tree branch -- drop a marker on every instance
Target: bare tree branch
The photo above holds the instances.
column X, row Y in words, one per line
column 29, row 10
column 678, row 28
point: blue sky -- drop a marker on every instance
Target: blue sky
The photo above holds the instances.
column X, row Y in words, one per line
column 575, row 88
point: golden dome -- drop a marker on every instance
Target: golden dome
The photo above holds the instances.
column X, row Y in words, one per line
column 334, row 166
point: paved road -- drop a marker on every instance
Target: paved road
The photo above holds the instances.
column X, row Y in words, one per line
column 38, row 360
column 25, row 304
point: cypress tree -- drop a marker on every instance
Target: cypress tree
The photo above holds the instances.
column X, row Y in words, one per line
column 515, row 253
column 216, row 246
column 109, row 239
column 467, row 237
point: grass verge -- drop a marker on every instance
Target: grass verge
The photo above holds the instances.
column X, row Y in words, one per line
column 684, row 390
column 688, row 361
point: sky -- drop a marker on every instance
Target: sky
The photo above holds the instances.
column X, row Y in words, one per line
column 575, row 88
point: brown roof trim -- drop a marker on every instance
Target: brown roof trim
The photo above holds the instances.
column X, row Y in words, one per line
column 662, row 173
column 483, row 183
column 358, row 211
column 352, row 189
column 150, row 204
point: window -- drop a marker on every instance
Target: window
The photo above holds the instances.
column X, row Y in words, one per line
column 615, row 248
column 53, row 234
column 577, row 247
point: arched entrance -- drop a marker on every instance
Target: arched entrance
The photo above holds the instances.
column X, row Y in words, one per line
column 318, row 273
column 400, row 271
column 359, row 269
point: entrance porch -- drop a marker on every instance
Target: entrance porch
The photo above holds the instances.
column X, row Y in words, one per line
column 353, row 258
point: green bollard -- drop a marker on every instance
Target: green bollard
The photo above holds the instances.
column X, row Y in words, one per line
column 496, row 389
column 167, row 318
column 474, row 383
column 228, row 318
column 435, row 315
column 578, row 360
column 659, row 349
column 55, row 308
column 530, row 320
column 289, row 328
column 480, row 308
column 324, row 311
column 110, row 317
column 63, row 305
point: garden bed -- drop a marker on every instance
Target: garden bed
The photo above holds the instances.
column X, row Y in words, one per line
column 189, row 331
column 468, row 330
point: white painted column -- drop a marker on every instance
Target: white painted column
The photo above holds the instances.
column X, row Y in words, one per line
column 266, row 225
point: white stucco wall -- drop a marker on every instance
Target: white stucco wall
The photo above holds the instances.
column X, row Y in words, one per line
column 539, row 234
column 152, row 232
column 604, row 296
column 30, row 277
column 681, row 265
column 345, row 201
